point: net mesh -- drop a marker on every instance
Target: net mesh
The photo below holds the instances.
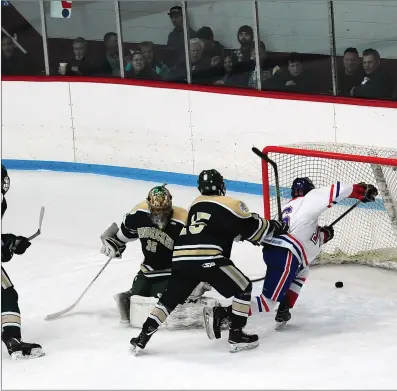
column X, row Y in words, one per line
column 367, row 235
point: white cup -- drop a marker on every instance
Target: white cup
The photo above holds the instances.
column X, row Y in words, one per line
column 62, row 68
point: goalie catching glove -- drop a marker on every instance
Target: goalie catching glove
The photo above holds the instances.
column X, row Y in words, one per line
column 113, row 247
column 364, row 192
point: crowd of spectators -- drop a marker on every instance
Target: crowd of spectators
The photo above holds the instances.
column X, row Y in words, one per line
column 213, row 64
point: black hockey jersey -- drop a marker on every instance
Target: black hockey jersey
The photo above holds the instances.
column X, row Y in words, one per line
column 157, row 245
column 214, row 222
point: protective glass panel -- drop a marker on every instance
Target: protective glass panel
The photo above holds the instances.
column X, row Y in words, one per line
column 82, row 38
column 295, row 46
column 151, row 43
column 220, row 42
column 21, row 39
column 366, row 46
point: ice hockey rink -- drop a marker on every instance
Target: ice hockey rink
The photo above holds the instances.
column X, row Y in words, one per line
column 338, row 338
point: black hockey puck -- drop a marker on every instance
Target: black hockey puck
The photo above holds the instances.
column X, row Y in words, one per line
column 339, row 284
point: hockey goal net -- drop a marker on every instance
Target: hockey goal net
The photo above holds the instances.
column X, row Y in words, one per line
column 368, row 234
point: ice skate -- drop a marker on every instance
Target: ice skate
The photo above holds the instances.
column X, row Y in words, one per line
column 139, row 343
column 238, row 341
column 283, row 316
column 215, row 319
column 18, row 349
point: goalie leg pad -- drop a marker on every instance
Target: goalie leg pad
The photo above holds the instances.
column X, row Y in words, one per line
column 185, row 316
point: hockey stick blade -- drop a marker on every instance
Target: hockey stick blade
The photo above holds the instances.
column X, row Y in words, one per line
column 38, row 232
column 56, row 315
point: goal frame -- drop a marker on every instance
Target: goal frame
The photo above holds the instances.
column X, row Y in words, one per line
column 312, row 153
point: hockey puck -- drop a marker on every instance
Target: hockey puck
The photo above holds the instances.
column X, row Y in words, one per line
column 339, row 284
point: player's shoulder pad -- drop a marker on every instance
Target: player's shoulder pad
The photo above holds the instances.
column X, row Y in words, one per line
column 238, row 208
column 142, row 207
column 179, row 214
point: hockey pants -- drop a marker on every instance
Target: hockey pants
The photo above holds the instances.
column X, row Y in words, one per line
column 284, row 279
column 222, row 275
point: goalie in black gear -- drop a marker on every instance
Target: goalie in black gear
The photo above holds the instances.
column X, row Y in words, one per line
column 202, row 253
column 157, row 224
column 10, row 313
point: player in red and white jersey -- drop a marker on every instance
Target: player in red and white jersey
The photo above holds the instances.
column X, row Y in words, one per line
column 289, row 255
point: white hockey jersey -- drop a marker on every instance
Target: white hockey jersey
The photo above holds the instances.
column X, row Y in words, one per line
column 301, row 214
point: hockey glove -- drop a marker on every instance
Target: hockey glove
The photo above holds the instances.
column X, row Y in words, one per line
column 113, row 247
column 364, row 193
column 277, row 228
column 16, row 244
column 328, row 233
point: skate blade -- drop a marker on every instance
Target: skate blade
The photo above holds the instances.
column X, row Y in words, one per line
column 280, row 325
column 135, row 350
column 34, row 353
column 239, row 347
column 208, row 315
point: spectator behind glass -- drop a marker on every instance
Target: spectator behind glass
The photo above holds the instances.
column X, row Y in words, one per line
column 200, row 64
column 176, row 41
column 268, row 67
column 139, row 69
column 230, row 78
column 13, row 62
column 294, row 78
column 79, row 65
column 377, row 83
column 352, row 72
column 245, row 36
column 147, row 49
column 206, row 34
column 110, row 64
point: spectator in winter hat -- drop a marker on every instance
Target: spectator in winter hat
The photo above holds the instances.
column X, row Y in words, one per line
column 245, row 36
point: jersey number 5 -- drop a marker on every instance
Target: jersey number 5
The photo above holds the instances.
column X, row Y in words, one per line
column 197, row 223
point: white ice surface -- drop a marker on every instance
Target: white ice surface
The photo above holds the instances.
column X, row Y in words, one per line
column 338, row 338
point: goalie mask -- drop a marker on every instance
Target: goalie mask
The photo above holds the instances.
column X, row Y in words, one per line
column 160, row 205
column 301, row 186
column 210, row 182
column 5, row 180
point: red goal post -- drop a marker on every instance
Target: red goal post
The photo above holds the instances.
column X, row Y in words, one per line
column 368, row 235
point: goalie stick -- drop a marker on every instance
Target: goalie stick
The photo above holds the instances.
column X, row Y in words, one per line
column 66, row 310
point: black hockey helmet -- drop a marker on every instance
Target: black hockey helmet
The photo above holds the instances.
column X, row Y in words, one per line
column 210, row 182
column 5, row 180
column 160, row 205
column 301, row 186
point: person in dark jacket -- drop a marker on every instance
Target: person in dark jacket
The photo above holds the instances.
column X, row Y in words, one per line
column 110, row 63
column 377, row 83
column 352, row 72
column 293, row 79
column 230, row 77
column 139, row 69
column 176, row 41
column 79, row 65
column 245, row 36
column 13, row 63
column 147, row 49
column 211, row 46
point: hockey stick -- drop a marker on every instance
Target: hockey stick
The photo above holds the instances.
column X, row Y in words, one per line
column 38, row 232
column 66, row 310
column 331, row 225
column 274, row 165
